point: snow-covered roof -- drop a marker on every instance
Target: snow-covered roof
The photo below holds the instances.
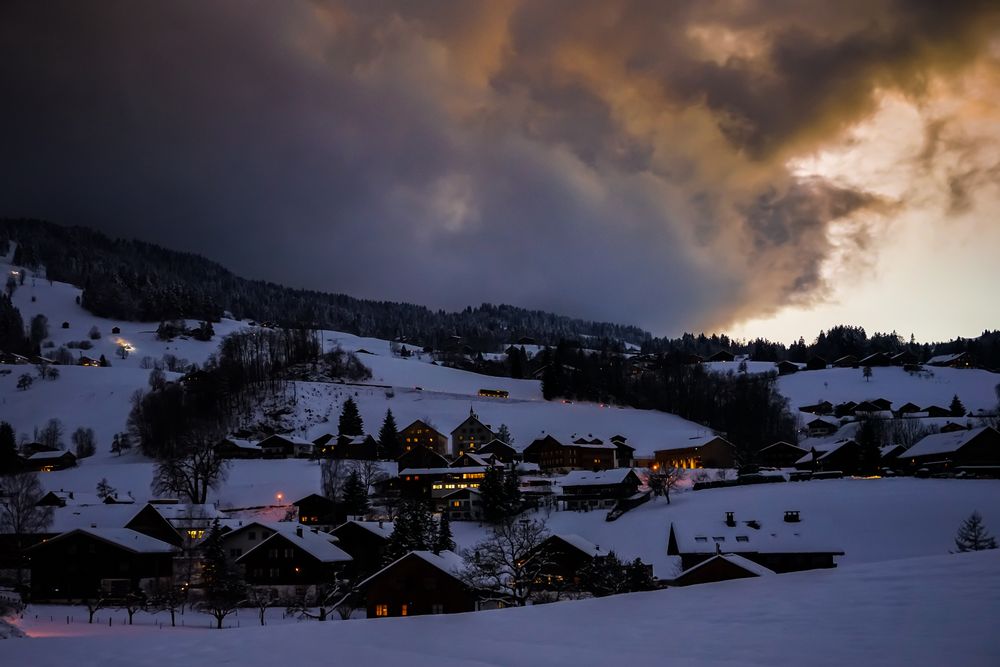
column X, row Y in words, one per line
column 944, row 443
column 589, row 478
column 382, row 529
column 290, row 438
column 578, row 542
column 476, row 458
column 179, row 511
column 132, row 540
column 443, row 471
column 317, row 544
column 739, row 561
column 92, row 516
column 691, row 443
column 780, row 443
column 243, row 444
column 448, row 562
column 945, row 358
column 48, row 455
column 77, row 497
column 773, row 536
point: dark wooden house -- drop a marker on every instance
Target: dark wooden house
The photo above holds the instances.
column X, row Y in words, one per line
column 904, row 358
column 232, row 448
column 357, row 447
column 566, row 555
column 500, row 450
column 816, row 363
column 422, row 434
column 86, row 563
column 706, row 452
column 470, row 435
column 319, row 511
column 553, row 455
column 421, row 582
column 974, row 450
column 786, row 367
column 365, row 541
column 50, row 461
column 780, row 455
column 462, row 505
column 820, row 428
column 721, row 567
column 843, row 456
column 421, row 457
column 875, row 359
column 722, row 355
column 293, row 560
column 583, row 489
column 846, row 361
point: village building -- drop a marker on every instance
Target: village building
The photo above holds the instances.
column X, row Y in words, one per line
column 781, row 546
column 87, row 563
column 285, row 446
column 957, row 360
column 907, row 409
column 586, row 490
column 705, row 452
column 318, row 511
column 419, row 583
column 722, row 355
column 843, row 456
column 821, row 408
column 234, row 448
column 50, row 461
column 951, row 427
column 846, row 361
column 470, row 434
column 471, row 459
column 786, row 367
column 904, row 358
column 625, row 454
column 355, row 447
column 462, row 505
column 721, row 567
column 293, row 560
column 780, row 455
column 433, row 483
column 500, row 450
column 552, row 455
column 936, row 411
column 421, row 457
column 816, row 363
column 365, row 542
column 422, row 434
column 876, row 359
column 973, row 451
column 565, row 555
column 821, row 428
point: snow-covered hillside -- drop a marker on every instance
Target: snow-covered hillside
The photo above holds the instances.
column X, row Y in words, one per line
column 926, row 611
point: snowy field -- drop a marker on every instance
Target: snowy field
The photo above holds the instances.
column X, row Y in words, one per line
column 935, row 611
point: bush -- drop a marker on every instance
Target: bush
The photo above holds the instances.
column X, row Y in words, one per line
column 80, row 344
column 95, row 333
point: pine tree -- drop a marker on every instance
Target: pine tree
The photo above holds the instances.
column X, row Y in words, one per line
column 388, row 437
column 105, row 490
column 413, row 530
column 956, row 407
column 355, row 495
column 973, row 536
column 492, row 492
column 503, row 435
column 350, row 419
column 9, row 460
column 444, row 541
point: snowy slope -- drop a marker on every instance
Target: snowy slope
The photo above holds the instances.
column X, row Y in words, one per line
column 928, row 611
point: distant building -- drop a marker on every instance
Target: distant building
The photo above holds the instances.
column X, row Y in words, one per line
column 462, row 505
column 470, row 434
column 816, row 363
column 786, row 367
column 500, row 450
column 391, row 590
column 820, row 428
column 780, row 455
column 722, row 355
column 317, row 511
column 721, row 567
column 847, row 361
column 50, row 461
column 583, row 489
column 706, row 452
column 957, row 360
column 876, row 359
column 365, row 541
column 285, row 446
column 843, row 456
column 420, row 433
column 294, row 560
column 976, row 450
column 552, row 455
column 233, row 448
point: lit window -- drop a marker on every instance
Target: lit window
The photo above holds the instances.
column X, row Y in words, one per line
column 402, row 611
column 381, row 610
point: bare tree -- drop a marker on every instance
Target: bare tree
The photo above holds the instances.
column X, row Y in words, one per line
column 94, row 605
column 369, row 472
column 19, row 513
column 51, row 434
column 261, row 597
column 169, row 599
column 664, row 479
column 330, row 596
column 195, row 470
column 84, row 442
column 333, row 475
column 509, row 563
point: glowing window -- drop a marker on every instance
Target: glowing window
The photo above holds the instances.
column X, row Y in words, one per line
column 381, row 610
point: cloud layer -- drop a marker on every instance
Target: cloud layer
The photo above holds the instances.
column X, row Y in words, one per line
column 614, row 160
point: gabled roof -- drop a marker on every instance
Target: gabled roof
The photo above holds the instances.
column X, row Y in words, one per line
column 588, row 478
column 781, row 443
column 50, row 455
column 945, row 358
column 694, row 443
column 945, row 443
column 739, row 561
column 130, row 540
column 92, row 516
column 443, row 471
column 384, row 530
column 290, row 438
column 585, row 546
column 819, row 421
column 317, row 544
column 823, row 451
column 448, row 562
column 774, row 536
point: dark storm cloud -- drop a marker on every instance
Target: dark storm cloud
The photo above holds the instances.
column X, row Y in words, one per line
column 616, row 160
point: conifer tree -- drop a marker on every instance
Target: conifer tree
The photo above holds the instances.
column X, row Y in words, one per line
column 444, row 541
column 973, row 536
column 9, row 461
column 388, row 437
column 350, row 419
column 355, row 495
column 503, row 435
column 413, row 530
column 956, row 407
column 221, row 584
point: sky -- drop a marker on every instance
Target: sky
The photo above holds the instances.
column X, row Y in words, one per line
column 759, row 167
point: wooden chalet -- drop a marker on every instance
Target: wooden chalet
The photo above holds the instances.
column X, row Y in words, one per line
column 470, row 434
column 843, row 456
column 293, row 559
column 317, row 511
column 889, row 454
column 876, row 359
column 951, row 427
column 420, row 433
column 586, row 490
column 433, row 483
column 565, row 555
column 787, row 367
column 471, row 459
column 500, row 450
column 285, row 446
column 780, row 455
column 781, row 546
column 50, row 461
column 706, row 452
column 821, row 408
column 421, row 457
column 87, row 563
column 625, row 454
column 881, row 404
column 462, row 505
column 904, row 358
column 816, row 363
column 820, row 428
column 233, row 448
column 324, row 445
column 583, row 454
column 957, row 360
column 846, row 361
column 721, row 567
column 365, row 541
column 936, row 411
column 907, row 409
column 356, row 447
column 441, row 590
column 722, row 355
column 974, row 451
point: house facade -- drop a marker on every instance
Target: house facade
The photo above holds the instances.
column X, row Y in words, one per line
column 586, row 490
column 419, row 583
column 709, row 452
column 422, row 434
column 470, row 435
column 551, row 455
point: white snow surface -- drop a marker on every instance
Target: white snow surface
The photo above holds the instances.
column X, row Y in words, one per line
column 926, row 611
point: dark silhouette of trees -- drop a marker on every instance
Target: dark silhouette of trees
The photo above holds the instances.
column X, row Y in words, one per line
column 388, row 437
column 350, row 419
column 973, row 536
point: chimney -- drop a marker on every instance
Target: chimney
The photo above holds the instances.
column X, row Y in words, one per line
column 792, row 516
column 731, row 519
column 298, row 531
